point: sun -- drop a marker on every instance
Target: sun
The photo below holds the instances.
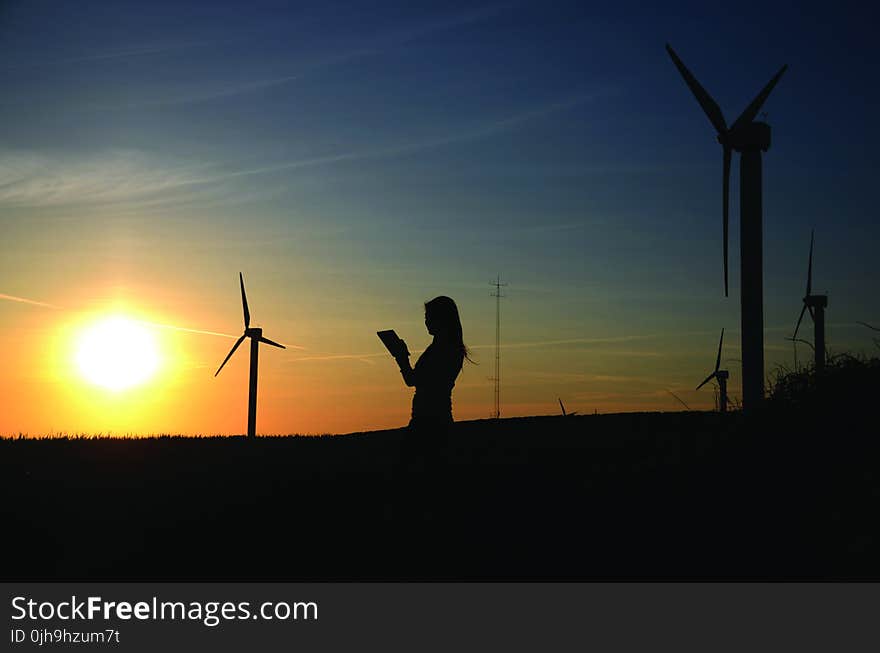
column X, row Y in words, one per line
column 117, row 353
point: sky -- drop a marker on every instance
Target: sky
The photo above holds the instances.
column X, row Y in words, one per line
column 354, row 160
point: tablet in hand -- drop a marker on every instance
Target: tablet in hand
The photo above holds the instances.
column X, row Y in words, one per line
column 393, row 343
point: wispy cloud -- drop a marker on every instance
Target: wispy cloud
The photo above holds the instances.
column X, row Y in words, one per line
column 485, row 130
column 117, row 53
column 224, row 89
column 460, row 19
column 203, row 92
column 34, row 179
column 46, row 179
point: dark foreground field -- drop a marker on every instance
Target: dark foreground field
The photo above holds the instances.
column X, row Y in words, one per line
column 632, row 496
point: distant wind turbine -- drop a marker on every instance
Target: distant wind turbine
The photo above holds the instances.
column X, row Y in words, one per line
column 721, row 376
column 816, row 304
column 679, row 399
column 562, row 406
column 256, row 336
column 750, row 138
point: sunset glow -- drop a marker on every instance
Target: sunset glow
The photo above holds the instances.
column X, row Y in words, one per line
column 353, row 162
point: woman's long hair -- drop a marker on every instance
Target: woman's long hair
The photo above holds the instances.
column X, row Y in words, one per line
column 444, row 315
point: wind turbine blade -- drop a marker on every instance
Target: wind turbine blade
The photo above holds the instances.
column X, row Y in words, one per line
column 247, row 313
column 718, row 360
column 710, row 107
column 752, row 110
column 270, row 342
column 810, row 268
column 562, row 407
column 229, row 355
column 798, row 326
column 706, row 380
column 678, row 399
column 726, row 214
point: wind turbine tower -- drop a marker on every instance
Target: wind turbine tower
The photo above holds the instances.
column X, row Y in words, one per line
column 816, row 304
column 256, row 336
column 750, row 138
column 498, row 294
column 721, row 376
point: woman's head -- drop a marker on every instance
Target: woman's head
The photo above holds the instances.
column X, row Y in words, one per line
column 442, row 321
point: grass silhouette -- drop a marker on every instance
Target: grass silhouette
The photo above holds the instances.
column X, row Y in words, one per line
column 789, row 493
column 847, row 379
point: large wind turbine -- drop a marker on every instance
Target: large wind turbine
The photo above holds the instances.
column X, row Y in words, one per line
column 721, row 376
column 749, row 138
column 816, row 305
column 256, row 336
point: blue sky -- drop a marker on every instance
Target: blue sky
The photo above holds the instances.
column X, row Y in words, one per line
column 367, row 156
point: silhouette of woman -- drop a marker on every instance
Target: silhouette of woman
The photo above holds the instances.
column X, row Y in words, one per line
column 425, row 448
column 434, row 376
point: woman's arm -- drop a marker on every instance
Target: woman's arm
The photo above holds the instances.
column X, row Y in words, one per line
column 409, row 374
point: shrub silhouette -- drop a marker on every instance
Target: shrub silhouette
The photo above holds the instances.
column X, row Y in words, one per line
column 845, row 385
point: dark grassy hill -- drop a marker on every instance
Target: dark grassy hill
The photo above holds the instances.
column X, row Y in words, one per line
column 784, row 494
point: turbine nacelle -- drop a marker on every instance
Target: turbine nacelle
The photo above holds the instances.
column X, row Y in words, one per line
column 717, row 373
column 253, row 332
column 748, row 137
column 815, row 305
column 810, row 300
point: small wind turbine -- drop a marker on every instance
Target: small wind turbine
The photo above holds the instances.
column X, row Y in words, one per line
column 256, row 336
column 721, row 376
column 750, row 138
column 816, row 305
column 562, row 406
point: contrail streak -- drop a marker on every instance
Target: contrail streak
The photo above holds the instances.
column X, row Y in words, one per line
column 186, row 329
column 201, row 331
column 569, row 341
column 364, row 358
column 32, row 302
column 173, row 327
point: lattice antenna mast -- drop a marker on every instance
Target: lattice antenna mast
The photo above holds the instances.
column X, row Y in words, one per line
column 498, row 294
